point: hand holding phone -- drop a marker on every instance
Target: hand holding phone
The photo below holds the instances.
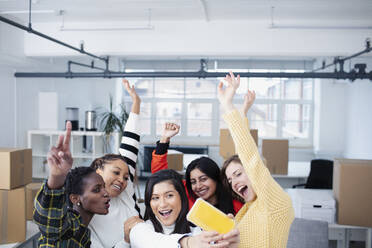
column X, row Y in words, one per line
column 209, row 218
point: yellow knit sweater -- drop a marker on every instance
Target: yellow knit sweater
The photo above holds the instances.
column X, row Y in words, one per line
column 265, row 221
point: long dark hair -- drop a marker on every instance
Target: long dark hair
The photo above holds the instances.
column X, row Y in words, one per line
column 211, row 169
column 225, row 182
column 74, row 183
column 181, row 225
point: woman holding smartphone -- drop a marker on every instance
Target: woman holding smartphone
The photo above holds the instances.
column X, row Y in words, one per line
column 265, row 219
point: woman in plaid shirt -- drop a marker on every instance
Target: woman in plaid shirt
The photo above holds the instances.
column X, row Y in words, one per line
column 68, row 200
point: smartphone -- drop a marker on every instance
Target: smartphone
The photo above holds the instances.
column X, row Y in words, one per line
column 209, row 218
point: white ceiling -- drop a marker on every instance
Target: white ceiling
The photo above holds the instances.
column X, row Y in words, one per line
column 180, row 10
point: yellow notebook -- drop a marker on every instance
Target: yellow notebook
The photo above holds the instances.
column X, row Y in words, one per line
column 209, row 218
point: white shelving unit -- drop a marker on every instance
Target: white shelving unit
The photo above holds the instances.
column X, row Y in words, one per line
column 41, row 140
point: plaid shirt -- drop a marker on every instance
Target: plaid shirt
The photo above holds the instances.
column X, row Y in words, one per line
column 60, row 226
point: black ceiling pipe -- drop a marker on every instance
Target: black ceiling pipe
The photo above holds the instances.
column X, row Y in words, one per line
column 340, row 61
column 30, row 30
column 91, row 66
column 200, row 74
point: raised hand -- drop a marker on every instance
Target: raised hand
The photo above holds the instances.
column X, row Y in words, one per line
column 248, row 101
column 226, row 95
column 133, row 94
column 60, row 160
column 170, row 130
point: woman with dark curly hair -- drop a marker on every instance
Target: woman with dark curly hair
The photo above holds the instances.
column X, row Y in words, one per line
column 118, row 173
column 68, row 200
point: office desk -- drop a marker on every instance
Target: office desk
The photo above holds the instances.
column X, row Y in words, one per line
column 298, row 172
column 32, row 235
column 343, row 234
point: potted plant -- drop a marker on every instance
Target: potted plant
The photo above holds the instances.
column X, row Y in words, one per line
column 110, row 122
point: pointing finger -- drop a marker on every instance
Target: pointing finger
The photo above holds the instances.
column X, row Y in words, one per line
column 68, row 134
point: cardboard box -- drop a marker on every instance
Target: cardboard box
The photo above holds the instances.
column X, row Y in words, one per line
column 227, row 146
column 275, row 151
column 313, row 204
column 12, row 215
column 175, row 160
column 15, row 167
column 31, row 191
column 352, row 185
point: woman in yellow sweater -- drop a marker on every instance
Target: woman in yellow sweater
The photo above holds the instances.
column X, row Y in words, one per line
column 266, row 217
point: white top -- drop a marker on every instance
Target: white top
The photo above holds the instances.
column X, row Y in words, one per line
column 143, row 235
column 107, row 231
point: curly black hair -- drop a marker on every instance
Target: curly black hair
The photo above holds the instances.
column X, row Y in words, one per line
column 74, row 181
column 99, row 163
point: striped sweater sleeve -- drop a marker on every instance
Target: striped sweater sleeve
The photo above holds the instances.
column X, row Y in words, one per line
column 129, row 150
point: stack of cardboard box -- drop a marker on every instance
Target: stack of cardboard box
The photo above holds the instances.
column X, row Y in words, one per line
column 15, row 173
column 227, row 146
column 175, row 160
column 275, row 151
column 352, row 185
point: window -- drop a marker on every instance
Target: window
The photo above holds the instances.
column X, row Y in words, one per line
column 283, row 107
column 199, row 119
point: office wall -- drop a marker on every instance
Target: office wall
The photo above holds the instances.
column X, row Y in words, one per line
column 343, row 118
column 11, row 41
column 358, row 132
column 7, row 107
column 9, row 55
column 329, row 118
column 86, row 94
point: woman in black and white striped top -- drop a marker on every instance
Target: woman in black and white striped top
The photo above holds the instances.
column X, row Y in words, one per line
column 118, row 173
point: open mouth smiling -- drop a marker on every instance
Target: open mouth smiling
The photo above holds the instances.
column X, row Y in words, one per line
column 117, row 187
column 243, row 189
column 165, row 213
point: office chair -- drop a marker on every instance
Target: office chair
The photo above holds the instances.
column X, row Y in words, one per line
column 321, row 175
column 308, row 234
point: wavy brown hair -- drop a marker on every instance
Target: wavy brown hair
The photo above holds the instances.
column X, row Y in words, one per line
column 225, row 182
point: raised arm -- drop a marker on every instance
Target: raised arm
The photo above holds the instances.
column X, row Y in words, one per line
column 133, row 94
column 131, row 137
column 60, row 160
column 263, row 184
column 159, row 155
column 50, row 204
column 130, row 143
column 249, row 99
